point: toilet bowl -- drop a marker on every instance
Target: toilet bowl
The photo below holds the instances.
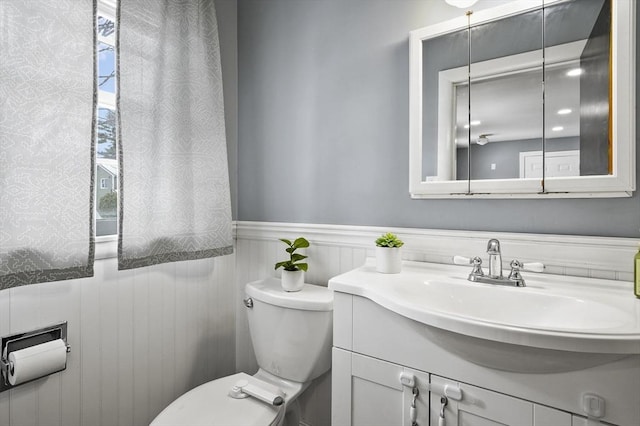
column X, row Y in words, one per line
column 292, row 338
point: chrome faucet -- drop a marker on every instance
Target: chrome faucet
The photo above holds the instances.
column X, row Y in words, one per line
column 495, row 267
column 495, row 259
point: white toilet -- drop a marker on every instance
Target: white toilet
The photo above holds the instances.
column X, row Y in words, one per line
column 292, row 338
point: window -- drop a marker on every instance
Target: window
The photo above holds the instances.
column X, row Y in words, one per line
column 106, row 148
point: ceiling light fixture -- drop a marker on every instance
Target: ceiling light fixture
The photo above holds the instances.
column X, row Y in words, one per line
column 557, row 129
column 472, row 123
column 482, row 140
column 574, row 72
column 461, row 3
column 564, row 111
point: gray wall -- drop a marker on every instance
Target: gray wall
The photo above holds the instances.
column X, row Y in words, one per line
column 324, row 118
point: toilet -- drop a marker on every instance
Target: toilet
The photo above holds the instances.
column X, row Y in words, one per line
column 292, row 339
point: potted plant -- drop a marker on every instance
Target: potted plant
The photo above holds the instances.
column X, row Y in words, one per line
column 388, row 254
column 294, row 269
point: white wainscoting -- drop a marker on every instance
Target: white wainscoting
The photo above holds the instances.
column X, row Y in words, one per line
column 142, row 337
column 139, row 339
column 336, row 249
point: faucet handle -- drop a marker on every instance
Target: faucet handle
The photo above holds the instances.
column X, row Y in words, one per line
column 515, row 276
column 461, row 260
column 529, row 266
column 532, row 267
column 477, row 267
column 476, row 262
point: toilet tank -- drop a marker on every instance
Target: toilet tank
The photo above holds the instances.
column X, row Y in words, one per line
column 292, row 332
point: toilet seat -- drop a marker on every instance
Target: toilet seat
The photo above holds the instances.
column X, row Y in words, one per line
column 209, row 404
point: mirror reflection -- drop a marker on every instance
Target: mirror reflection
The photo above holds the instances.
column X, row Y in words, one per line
column 522, row 97
column 587, row 79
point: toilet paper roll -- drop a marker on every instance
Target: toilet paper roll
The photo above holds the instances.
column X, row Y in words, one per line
column 37, row 361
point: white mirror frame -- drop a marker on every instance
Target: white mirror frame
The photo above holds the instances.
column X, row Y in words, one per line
column 619, row 184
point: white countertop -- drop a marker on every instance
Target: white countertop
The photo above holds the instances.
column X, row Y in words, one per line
column 552, row 312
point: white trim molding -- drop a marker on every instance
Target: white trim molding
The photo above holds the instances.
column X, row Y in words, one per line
column 587, row 256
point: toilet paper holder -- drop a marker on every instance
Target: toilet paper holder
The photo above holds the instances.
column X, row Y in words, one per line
column 24, row 340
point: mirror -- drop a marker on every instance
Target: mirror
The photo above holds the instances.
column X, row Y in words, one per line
column 530, row 99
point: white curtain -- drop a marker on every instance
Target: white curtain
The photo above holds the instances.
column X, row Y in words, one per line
column 174, row 182
column 47, row 111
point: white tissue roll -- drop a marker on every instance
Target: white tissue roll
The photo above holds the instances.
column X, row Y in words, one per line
column 37, row 361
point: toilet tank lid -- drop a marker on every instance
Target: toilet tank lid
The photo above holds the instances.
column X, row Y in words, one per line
column 310, row 298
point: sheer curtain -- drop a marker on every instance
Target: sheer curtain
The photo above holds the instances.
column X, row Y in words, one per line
column 47, row 111
column 174, row 181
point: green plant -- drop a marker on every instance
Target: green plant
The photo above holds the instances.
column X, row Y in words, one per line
column 389, row 240
column 107, row 204
column 294, row 264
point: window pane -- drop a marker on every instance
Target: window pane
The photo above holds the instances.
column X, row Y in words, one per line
column 106, row 27
column 106, row 68
column 106, row 173
column 107, row 165
column 106, row 197
column 106, row 133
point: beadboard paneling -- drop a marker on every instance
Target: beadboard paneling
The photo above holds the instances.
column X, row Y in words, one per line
column 562, row 254
column 139, row 339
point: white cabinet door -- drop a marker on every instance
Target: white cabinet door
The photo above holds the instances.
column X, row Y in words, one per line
column 368, row 392
column 482, row 407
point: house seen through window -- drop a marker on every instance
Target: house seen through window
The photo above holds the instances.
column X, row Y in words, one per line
column 106, row 161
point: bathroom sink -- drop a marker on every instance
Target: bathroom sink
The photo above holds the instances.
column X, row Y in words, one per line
column 523, row 307
column 556, row 323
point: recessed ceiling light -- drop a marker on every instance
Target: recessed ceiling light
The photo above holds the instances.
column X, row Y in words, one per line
column 473, row 123
column 461, row 3
column 574, row 72
column 557, row 129
column 564, row 111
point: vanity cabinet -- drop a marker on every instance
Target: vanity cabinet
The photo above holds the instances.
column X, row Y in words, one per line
column 371, row 393
column 379, row 398
column 375, row 348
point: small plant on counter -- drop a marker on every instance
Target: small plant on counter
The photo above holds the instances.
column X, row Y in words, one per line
column 388, row 254
column 389, row 240
column 294, row 264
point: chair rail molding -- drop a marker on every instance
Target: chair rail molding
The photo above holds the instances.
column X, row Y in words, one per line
column 588, row 256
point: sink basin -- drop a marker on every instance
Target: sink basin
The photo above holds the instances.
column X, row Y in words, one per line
column 524, row 307
column 556, row 323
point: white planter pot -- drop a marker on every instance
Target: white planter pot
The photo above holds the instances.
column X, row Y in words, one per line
column 388, row 260
column 292, row 280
